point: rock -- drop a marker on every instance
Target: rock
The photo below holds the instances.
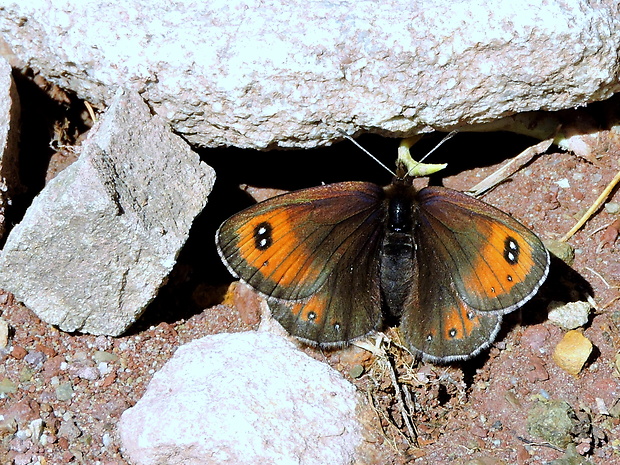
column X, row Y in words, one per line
column 7, row 386
column 35, row 359
column 64, row 391
column 551, row 421
column 260, row 75
column 36, row 429
column 4, row 333
column 563, row 250
column 9, row 139
column 569, row 315
column 572, row 352
column 571, row 457
column 112, row 224
column 243, row 398
column 69, row 430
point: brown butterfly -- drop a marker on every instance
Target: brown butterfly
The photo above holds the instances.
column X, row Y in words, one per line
column 332, row 260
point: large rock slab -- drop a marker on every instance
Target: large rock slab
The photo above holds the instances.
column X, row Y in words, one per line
column 243, row 399
column 290, row 73
column 100, row 239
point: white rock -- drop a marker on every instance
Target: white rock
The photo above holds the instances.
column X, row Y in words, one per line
column 4, row 333
column 36, row 429
column 246, row 398
column 288, row 73
column 100, row 239
column 9, row 140
column 569, row 315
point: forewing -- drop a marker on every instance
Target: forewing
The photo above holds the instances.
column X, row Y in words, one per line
column 494, row 262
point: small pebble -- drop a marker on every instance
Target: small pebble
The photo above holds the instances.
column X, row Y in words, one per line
column 18, row 352
column 600, row 404
column 4, row 333
column 612, row 207
column 7, row 386
column 88, row 373
column 562, row 250
column 551, row 421
column 64, row 391
column 572, row 352
column 35, row 359
column 102, row 356
column 69, row 430
column 36, row 429
column 106, row 440
column 569, row 315
column 356, row 371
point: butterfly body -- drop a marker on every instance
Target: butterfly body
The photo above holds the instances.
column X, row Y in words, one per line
column 331, row 260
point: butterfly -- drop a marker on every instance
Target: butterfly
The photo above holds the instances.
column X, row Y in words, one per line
column 335, row 261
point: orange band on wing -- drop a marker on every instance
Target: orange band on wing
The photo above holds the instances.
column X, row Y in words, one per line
column 270, row 245
column 505, row 261
column 312, row 310
column 459, row 323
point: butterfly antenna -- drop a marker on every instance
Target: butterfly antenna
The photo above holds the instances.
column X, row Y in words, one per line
column 367, row 152
column 445, row 139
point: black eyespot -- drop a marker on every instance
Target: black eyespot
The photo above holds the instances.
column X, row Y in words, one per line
column 511, row 250
column 263, row 238
column 453, row 332
column 311, row 316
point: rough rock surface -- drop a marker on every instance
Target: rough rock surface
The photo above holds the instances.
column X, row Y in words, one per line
column 291, row 73
column 243, row 398
column 9, row 138
column 100, row 239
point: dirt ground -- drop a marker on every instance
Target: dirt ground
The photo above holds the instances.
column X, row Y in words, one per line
column 474, row 412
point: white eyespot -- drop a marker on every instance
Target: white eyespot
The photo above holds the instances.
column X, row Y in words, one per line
column 511, row 257
column 262, row 230
column 263, row 242
column 452, row 332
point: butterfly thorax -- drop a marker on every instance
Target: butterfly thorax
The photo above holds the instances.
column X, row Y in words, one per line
column 398, row 245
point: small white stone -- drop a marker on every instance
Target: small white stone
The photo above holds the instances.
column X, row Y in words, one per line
column 4, row 333
column 569, row 315
column 36, row 428
column 106, row 440
column 602, row 408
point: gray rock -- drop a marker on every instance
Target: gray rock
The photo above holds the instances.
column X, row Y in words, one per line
column 9, row 139
column 100, row 239
column 260, row 75
column 244, row 398
column 551, row 421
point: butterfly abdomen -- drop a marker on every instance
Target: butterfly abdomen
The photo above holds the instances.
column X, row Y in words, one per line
column 398, row 249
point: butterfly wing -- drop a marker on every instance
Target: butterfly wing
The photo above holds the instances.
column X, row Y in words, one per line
column 495, row 263
column 477, row 264
column 314, row 254
column 437, row 322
